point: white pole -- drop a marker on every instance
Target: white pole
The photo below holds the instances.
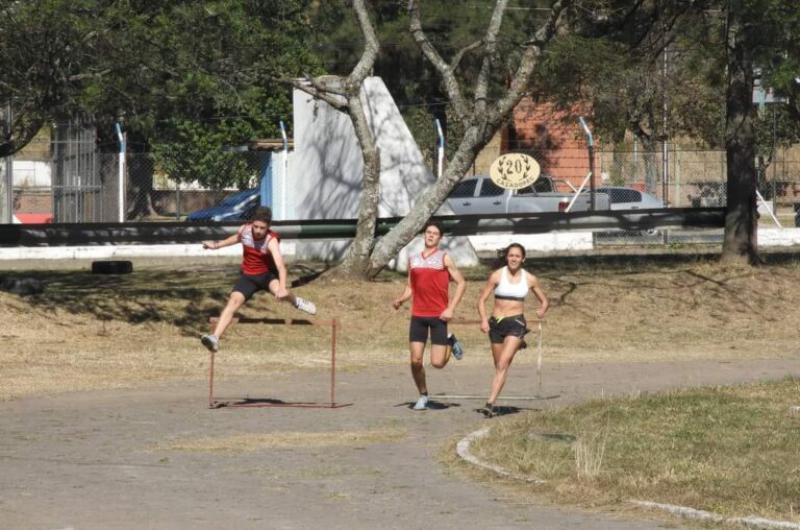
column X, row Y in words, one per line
column 768, row 208
column 121, row 175
column 590, row 140
column 284, row 172
column 7, row 207
column 439, row 149
column 580, row 189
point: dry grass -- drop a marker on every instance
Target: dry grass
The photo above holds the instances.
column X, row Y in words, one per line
column 241, row 443
column 87, row 331
column 730, row 450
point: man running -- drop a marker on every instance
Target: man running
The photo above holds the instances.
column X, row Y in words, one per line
column 260, row 249
column 429, row 275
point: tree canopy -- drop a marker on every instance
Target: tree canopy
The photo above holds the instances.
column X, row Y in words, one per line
column 185, row 77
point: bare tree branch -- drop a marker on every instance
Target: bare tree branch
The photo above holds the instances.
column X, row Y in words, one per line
column 531, row 52
column 330, row 84
column 451, row 84
column 462, row 52
column 344, row 94
column 371, row 46
column 89, row 75
column 482, row 83
column 331, row 99
column 21, row 132
column 548, row 30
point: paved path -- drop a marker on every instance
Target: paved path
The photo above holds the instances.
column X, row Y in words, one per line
column 91, row 460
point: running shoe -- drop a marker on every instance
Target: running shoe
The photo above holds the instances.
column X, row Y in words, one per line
column 305, row 305
column 211, row 342
column 488, row 411
column 458, row 351
column 422, row 403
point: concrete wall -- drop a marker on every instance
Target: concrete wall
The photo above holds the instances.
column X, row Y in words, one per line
column 325, row 169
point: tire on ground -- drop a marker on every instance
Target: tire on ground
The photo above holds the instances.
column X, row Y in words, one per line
column 112, row 267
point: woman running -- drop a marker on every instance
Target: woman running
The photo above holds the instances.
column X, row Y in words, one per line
column 507, row 327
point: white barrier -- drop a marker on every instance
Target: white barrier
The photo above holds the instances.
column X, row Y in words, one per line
column 550, row 242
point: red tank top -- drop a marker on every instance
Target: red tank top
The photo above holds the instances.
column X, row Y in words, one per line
column 255, row 256
column 430, row 280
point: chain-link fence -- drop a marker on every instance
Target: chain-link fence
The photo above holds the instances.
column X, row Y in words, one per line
column 686, row 178
column 69, row 178
column 153, row 194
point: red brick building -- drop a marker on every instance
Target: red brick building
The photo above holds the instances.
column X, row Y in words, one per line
column 553, row 137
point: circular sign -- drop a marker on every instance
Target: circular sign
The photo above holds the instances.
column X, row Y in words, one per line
column 513, row 171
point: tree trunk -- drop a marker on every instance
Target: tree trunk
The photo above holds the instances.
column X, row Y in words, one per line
column 739, row 243
column 140, row 187
column 356, row 261
column 475, row 138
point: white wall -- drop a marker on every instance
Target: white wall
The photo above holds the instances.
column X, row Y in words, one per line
column 326, row 166
column 325, row 169
column 30, row 174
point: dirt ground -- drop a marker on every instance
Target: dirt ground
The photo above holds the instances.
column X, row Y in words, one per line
column 120, row 458
column 103, row 397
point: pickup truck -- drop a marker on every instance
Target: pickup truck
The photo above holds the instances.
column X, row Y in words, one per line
column 479, row 195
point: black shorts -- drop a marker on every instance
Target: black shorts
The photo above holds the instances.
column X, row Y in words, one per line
column 513, row 326
column 248, row 284
column 418, row 330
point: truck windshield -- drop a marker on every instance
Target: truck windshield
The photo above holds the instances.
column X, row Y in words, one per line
column 543, row 185
column 490, row 189
column 465, row 188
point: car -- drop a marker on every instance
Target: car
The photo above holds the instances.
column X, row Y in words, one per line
column 480, row 195
column 624, row 198
column 238, row 206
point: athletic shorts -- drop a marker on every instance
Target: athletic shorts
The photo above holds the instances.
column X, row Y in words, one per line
column 512, row 326
column 248, row 284
column 419, row 327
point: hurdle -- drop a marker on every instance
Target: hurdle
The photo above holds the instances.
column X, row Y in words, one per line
column 214, row 403
column 539, row 359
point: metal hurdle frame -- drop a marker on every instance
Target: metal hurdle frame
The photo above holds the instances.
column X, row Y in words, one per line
column 243, row 402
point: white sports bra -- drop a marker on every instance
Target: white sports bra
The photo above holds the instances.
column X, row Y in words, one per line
column 506, row 290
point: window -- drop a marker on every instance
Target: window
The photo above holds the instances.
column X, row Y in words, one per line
column 624, row 195
column 543, row 185
column 465, row 188
column 490, row 189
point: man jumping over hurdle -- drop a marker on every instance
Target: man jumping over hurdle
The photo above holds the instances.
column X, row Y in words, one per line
column 259, row 244
column 429, row 275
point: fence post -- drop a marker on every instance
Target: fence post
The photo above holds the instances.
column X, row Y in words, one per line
column 590, row 140
column 7, row 184
column 121, row 173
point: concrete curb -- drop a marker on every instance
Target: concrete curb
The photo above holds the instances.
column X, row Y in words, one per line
column 463, row 450
column 702, row 515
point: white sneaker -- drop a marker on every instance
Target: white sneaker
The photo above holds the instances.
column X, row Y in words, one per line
column 305, row 305
column 422, row 403
column 211, row 342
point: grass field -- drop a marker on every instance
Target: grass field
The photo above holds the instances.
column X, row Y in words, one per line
column 92, row 331
column 729, row 450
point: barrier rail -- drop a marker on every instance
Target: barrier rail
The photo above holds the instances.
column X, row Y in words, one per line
column 214, row 403
column 455, row 225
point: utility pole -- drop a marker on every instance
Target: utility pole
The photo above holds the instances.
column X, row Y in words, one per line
column 665, row 133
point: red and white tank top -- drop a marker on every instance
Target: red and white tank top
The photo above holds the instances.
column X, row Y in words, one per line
column 430, row 280
column 255, row 256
